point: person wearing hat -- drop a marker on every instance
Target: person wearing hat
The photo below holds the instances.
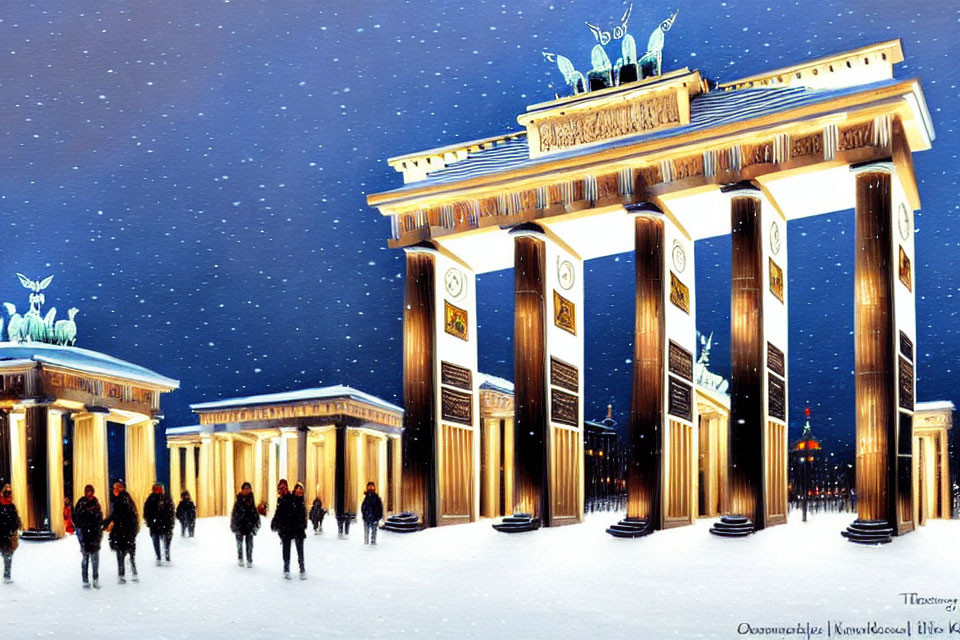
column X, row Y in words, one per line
column 10, row 526
column 158, row 513
column 124, row 525
column 88, row 521
column 245, row 522
column 290, row 523
column 186, row 514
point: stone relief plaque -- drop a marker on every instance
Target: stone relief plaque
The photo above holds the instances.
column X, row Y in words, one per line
column 904, row 270
column 456, row 376
column 679, row 399
column 776, row 397
column 775, row 361
column 776, row 280
column 456, row 406
column 679, row 294
column 610, row 122
column 564, row 408
column 680, row 361
column 906, row 346
column 564, row 313
column 906, row 385
column 564, row 375
column 455, row 321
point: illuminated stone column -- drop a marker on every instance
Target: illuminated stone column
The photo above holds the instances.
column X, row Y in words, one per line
column 55, row 472
column 5, row 476
column 175, row 470
column 548, row 378
column 396, row 479
column 273, row 472
column 227, row 487
column 661, row 467
column 140, row 460
column 18, row 465
column 757, row 487
column 35, row 449
column 884, row 363
column 206, row 500
column 302, row 457
column 190, row 471
column 440, row 389
column 90, row 456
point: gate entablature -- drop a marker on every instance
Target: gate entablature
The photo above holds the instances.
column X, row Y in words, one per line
column 760, row 129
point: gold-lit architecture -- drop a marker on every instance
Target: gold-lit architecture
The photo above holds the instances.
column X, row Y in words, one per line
column 332, row 439
column 652, row 166
column 932, row 422
column 57, row 404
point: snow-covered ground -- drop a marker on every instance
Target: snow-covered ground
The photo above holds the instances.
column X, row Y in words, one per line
column 470, row 581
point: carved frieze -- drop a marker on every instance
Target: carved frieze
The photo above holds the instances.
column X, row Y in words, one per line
column 856, row 136
column 648, row 176
column 611, row 122
column 804, row 146
column 776, row 397
column 564, row 375
column 679, row 399
column 564, row 408
column 776, row 361
column 487, row 207
column 527, row 200
column 456, row 406
column 906, row 384
column 906, row 346
column 680, row 361
column 608, row 186
column 758, row 154
column 456, row 376
column 688, row 167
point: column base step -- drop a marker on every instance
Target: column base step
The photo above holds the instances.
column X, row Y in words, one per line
column 733, row 527
column 630, row 528
column 869, row 532
column 37, row 536
column 518, row 523
column 404, row 522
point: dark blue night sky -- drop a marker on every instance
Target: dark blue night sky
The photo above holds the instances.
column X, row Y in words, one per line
column 194, row 175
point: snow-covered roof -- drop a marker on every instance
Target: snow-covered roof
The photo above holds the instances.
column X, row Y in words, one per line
column 81, row 360
column 493, row 383
column 707, row 110
column 936, row 405
column 183, row 431
column 302, row 395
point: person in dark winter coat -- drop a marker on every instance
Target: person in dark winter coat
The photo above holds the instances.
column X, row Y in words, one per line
column 10, row 525
column 316, row 515
column 372, row 510
column 290, row 522
column 158, row 513
column 245, row 522
column 124, row 525
column 88, row 520
column 186, row 514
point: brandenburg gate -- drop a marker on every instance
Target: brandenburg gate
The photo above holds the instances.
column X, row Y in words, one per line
column 651, row 164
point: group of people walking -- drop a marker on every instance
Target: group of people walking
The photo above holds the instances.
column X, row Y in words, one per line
column 123, row 524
